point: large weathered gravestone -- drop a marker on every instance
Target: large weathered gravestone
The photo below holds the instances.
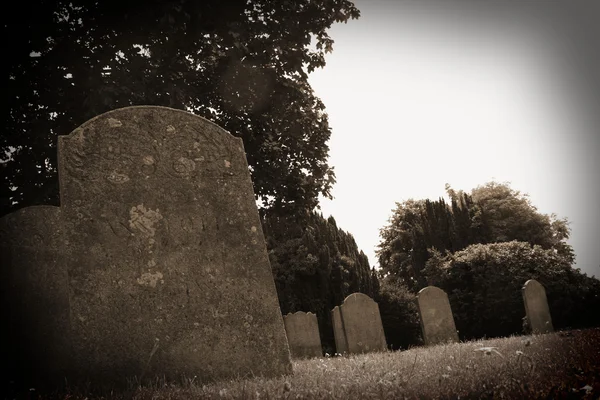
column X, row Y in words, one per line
column 536, row 307
column 357, row 325
column 302, row 331
column 154, row 264
column 437, row 321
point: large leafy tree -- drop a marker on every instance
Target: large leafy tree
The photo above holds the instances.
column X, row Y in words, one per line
column 507, row 214
column 491, row 213
column 241, row 64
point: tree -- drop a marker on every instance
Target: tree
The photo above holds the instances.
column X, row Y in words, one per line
column 402, row 244
column 241, row 64
column 491, row 213
column 509, row 215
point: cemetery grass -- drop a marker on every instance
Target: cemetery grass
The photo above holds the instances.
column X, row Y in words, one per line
column 558, row 365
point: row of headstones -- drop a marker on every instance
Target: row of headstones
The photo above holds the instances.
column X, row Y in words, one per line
column 437, row 321
column 358, row 328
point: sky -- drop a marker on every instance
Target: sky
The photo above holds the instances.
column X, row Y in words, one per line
column 420, row 94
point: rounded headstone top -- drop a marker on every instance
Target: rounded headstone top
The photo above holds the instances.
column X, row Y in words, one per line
column 532, row 283
column 113, row 117
column 140, row 149
column 354, row 297
column 430, row 289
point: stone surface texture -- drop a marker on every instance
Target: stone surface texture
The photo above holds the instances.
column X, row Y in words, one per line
column 360, row 320
column 302, row 331
column 154, row 264
column 437, row 321
column 339, row 336
column 536, row 307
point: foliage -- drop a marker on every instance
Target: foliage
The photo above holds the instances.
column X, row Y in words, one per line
column 241, row 64
column 509, row 215
column 484, row 283
column 491, row 213
column 399, row 315
column 315, row 265
column 402, row 247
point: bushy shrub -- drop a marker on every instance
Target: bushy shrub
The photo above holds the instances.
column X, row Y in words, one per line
column 399, row 315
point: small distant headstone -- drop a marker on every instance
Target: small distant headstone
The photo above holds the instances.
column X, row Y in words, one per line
column 357, row 325
column 536, row 307
column 437, row 321
column 155, row 263
column 302, row 331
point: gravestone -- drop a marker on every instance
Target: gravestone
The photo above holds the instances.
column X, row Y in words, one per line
column 154, row 264
column 302, row 331
column 437, row 321
column 339, row 336
column 536, row 307
column 357, row 324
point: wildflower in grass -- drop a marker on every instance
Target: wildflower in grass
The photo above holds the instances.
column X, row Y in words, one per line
column 489, row 350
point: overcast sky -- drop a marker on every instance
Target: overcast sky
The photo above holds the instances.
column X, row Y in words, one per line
column 424, row 93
